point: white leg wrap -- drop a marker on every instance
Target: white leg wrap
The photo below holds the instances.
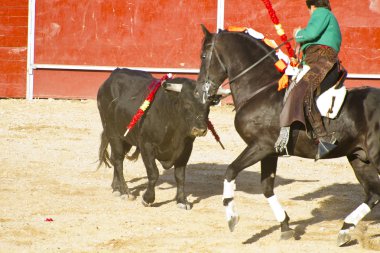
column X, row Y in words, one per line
column 276, row 208
column 229, row 189
column 358, row 214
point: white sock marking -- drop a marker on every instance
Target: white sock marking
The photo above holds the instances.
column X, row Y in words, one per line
column 276, row 208
column 229, row 189
column 358, row 214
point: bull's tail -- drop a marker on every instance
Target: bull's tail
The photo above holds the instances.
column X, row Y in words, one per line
column 104, row 157
column 134, row 156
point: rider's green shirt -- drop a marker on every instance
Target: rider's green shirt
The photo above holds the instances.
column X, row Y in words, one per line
column 322, row 29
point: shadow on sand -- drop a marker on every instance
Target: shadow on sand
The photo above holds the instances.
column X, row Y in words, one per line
column 204, row 180
column 339, row 201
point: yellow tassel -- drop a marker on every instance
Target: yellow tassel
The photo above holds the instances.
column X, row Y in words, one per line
column 232, row 28
column 270, row 43
column 279, row 29
column 145, row 105
column 283, row 82
column 280, row 65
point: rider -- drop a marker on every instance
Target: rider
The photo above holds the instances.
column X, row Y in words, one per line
column 320, row 43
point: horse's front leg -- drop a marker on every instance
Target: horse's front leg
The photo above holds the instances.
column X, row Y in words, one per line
column 268, row 175
column 250, row 155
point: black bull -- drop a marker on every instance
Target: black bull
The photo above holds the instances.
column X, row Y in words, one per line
column 357, row 128
column 166, row 132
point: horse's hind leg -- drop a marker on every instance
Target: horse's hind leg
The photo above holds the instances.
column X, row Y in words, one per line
column 368, row 176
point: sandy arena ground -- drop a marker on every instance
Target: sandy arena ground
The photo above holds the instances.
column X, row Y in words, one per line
column 48, row 163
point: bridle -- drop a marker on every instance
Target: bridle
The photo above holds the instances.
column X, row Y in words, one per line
column 210, row 84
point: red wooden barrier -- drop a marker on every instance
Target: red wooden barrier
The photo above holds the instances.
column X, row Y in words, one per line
column 13, row 47
column 163, row 34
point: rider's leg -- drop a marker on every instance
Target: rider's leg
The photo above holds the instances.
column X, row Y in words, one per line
column 326, row 140
column 291, row 112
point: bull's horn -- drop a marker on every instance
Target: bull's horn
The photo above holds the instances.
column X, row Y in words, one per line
column 223, row 92
column 177, row 87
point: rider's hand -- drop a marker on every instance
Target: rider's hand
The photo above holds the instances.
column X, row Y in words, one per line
column 295, row 31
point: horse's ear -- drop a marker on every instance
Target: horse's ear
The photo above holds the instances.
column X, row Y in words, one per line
column 205, row 31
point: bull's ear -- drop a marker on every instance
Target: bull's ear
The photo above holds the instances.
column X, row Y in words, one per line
column 205, row 31
column 177, row 87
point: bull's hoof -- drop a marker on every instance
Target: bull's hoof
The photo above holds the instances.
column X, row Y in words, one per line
column 146, row 204
column 344, row 238
column 185, row 206
column 233, row 222
column 286, row 235
column 129, row 197
column 116, row 193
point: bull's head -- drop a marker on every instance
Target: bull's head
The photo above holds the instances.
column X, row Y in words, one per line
column 189, row 107
column 221, row 93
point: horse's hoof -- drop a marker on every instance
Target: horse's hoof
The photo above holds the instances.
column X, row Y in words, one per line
column 343, row 238
column 145, row 203
column 233, row 222
column 186, row 206
column 286, row 235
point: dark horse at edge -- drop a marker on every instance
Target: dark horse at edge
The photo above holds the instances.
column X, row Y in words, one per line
column 258, row 106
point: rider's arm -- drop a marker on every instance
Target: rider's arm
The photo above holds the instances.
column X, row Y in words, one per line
column 315, row 27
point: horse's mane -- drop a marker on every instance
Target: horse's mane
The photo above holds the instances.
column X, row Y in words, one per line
column 250, row 39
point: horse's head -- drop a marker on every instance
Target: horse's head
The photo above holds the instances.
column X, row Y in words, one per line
column 212, row 70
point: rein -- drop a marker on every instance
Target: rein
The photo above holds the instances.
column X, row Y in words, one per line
column 255, row 64
column 208, row 82
column 270, row 84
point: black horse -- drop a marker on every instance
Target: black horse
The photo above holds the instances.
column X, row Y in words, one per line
column 249, row 65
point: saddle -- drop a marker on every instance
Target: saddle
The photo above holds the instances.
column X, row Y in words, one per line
column 331, row 93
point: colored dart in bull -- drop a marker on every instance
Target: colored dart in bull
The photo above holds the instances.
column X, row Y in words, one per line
column 156, row 84
column 210, row 126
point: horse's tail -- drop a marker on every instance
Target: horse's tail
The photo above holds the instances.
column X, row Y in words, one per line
column 134, row 156
column 104, row 157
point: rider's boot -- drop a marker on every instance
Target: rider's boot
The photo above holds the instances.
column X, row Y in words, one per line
column 326, row 142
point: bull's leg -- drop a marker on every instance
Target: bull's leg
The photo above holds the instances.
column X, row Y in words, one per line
column 151, row 171
column 181, row 199
column 117, row 157
column 368, row 176
column 268, row 175
column 248, row 157
column 180, row 174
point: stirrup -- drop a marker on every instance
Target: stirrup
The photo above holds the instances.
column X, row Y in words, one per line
column 283, row 140
column 325, row 147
